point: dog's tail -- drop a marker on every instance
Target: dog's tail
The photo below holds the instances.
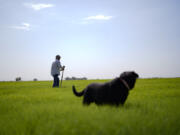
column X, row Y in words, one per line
column 79, row 94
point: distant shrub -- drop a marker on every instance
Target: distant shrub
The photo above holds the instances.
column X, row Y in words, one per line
column 75, row 78
column 68, row 78
column 35, row 79
column 18, row 79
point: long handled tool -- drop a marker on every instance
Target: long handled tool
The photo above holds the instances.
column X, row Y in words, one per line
column 62, row 76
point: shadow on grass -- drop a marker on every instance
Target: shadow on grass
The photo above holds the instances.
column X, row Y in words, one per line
column 125, row 106
column 59, row 87
column 131, row 105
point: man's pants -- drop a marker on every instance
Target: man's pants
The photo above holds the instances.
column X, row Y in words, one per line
column 56, row 81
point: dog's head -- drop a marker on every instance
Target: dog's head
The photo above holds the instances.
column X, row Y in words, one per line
column 130, row 77
column 130, row 74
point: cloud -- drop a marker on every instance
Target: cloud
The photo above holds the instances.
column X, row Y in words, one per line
column 23, row 26
column 98, row 17
column 38, row 6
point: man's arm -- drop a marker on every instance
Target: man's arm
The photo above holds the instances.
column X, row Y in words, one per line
column 61, row 68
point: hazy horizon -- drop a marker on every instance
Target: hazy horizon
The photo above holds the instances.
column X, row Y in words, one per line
column 96, row 39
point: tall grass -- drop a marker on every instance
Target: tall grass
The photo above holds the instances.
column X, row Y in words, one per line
column 35, row 108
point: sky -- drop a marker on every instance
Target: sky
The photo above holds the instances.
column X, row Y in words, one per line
column 97, row 39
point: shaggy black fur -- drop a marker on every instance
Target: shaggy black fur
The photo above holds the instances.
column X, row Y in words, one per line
column 114, row 92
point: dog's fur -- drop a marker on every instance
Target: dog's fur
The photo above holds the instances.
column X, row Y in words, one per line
column 114, row 92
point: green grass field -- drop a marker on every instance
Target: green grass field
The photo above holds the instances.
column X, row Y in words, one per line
column 34, row 108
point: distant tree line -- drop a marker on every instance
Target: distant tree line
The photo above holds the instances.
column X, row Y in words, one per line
column 75, row 78
column 19, row 79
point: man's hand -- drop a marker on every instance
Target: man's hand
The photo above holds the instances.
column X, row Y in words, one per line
column 62, row 69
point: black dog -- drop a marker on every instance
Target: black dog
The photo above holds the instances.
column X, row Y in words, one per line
column 114, row 92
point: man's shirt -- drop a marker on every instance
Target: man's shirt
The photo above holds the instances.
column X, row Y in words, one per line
column 55, row 68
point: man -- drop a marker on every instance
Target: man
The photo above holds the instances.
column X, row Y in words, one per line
column 55, row 70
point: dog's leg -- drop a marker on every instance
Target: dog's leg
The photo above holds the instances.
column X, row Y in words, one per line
column 87, row 99
column 86, row 103
column 123, row 99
